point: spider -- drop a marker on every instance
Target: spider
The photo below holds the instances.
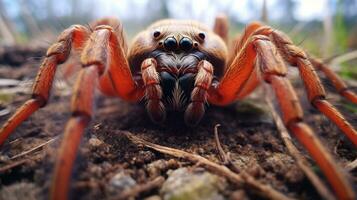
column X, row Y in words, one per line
column 180, row 66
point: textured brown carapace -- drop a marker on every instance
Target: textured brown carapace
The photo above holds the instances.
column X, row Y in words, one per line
column 179, row 66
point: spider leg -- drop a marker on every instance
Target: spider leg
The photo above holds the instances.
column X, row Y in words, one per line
column 82, row 112
column 196, row 109
column 97, row 61
column 316, row 93
column 221, row 27
column 153, row 90
column 237, row 76
column 315, row 90
column 337, row 82
column 273, row 70
column 73, row 37
column 117, row 79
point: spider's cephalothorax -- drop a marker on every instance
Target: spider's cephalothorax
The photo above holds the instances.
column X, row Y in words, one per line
column 178, row 47
column 180, row 65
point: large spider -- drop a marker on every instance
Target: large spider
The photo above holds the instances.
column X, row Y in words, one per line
column 179, row 65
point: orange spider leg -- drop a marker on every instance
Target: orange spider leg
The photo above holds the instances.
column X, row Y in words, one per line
column 221, row 27
column 273, row 71
column 315, row 91
column 118, row 80
column 196, row 109
column 153, row 90
column 96, row 64
column 292, row 116
column 337, row 82
column 58, row 53
column 236, row 76
column 82, row 111
column 239, row 41
column 253, row 80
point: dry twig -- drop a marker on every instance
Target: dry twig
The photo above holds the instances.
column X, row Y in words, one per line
column 225, row 157
column 265, row 191
column 294, row 152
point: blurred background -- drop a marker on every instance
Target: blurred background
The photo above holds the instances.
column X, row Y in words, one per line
column 326, row 28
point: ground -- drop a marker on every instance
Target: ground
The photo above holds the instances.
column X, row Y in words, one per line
column 109, row 163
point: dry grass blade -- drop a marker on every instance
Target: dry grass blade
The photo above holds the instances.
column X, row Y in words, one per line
column 343, row 58
column 136, row 190
column 294, row 152
column 13, row 165
column 352, row 165
column 33, row 149
column 245, row 180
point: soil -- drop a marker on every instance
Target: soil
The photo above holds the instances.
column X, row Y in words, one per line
column 247, row 132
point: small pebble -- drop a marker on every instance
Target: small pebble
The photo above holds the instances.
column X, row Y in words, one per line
column 185, row 184
column 94, row 142
column 121, row 182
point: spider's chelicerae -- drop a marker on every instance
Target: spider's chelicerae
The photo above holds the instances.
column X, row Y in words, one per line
column 180, row 65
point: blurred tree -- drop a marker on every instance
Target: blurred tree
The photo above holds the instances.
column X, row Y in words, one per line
column 7, row 30
column 30, row 22
column 340, row 28
column 286, row 12
column 264, row 12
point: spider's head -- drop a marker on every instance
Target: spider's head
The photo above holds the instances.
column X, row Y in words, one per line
column 178, row 46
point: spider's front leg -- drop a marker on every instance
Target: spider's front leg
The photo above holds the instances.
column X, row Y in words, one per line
column 260, row 58
column 104, row 65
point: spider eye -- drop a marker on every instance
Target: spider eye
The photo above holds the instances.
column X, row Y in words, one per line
column 185, row 44
column 156, row 34
column 170, row 44
column 202, row 36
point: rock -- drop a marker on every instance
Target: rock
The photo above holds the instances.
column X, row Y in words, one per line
column 121, row 182
column 185, row 184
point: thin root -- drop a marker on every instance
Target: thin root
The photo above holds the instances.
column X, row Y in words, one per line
column 265, row 191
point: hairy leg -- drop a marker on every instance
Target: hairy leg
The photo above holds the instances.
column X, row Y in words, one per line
column 272, row 69
column 153, row 90
column 296, row 57
column 72, row 38
column 107, row 49
column 336, row 81
column 221, row 27
column 97, row 61
column 196, row 108
column 82, row 112
column 315, row 90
